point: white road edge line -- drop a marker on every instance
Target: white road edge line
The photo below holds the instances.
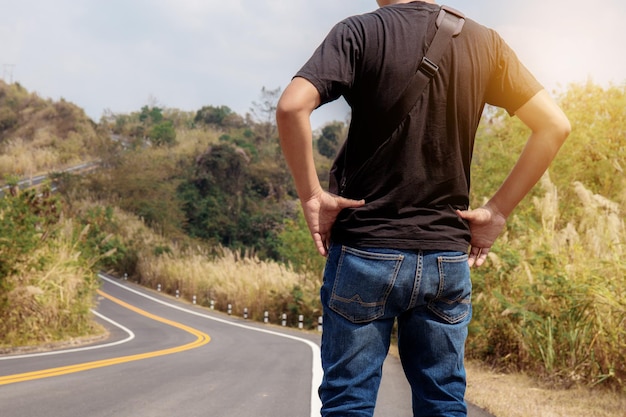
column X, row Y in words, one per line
column 316, row 371
column 130, row 337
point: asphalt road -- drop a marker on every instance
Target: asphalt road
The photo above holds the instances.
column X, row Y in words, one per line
column 165, row 358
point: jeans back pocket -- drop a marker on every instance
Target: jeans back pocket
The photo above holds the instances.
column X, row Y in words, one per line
column 453, row 302
column 363, row 282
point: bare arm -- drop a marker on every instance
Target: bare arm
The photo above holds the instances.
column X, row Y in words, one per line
column 293, row 114
column 549, row 129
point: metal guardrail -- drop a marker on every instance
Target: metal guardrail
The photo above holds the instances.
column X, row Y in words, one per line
column 37, row 180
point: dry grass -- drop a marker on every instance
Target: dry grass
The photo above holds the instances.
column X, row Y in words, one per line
column 20, row 158
column 518, row 395
column 37, row 135
column 229, row 278
column 50, row 297
column 193, row 142
column 552, row 300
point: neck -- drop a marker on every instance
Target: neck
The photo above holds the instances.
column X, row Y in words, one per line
column 389, row 2
column 410, row 1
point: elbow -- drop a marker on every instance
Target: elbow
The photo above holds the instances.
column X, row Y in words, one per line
column 284, row 111
column 557, row 128
column 287, row 110
column 299, row 99
column 545, row 119
column 555, row 135
column 552, row 133
column 561, row 129
column 567, row 128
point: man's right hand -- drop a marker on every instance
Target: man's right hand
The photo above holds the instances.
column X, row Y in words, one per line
column 320, row 212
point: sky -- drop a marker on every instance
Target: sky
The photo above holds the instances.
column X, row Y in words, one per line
column 119, row 55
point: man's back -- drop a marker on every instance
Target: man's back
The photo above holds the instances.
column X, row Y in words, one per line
column 414, row 180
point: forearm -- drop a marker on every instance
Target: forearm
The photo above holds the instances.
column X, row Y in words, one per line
column 294, row 130
column 531, row 165
column 293, row 115
column 550, row 128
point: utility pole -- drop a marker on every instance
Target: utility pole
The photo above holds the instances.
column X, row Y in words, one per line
column 7, row 73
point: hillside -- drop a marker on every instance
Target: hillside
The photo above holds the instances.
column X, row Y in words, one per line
column 38, row 135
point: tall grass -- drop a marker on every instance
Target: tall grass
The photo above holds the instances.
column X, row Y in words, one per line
column 48, row 295
column 553, row 301
column 243, row 281
column 19, row 158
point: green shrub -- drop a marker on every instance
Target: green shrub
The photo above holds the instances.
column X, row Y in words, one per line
column 46, row 283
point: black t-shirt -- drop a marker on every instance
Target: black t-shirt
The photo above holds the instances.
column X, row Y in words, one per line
column 413, row 180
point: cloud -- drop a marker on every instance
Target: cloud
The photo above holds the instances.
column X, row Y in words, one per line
column 189, row 53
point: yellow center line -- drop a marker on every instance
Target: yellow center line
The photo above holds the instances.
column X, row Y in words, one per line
column 202, row 339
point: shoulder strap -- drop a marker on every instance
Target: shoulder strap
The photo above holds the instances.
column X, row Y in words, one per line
column 449, row 24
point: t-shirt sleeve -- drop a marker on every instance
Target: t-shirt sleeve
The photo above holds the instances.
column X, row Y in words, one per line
column 512, row 84
column 331, row 67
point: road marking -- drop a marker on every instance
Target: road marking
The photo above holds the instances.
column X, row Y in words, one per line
column 129, row 332
column 201, row 339
column 316, row 368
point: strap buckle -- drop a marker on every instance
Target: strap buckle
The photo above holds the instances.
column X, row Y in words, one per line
column 428, row 67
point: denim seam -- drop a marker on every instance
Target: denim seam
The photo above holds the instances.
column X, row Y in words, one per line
column 419, row 267
column 373, row 255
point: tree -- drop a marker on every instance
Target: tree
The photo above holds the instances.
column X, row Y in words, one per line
column 331, row 139
column 212, row 115
column 163, row 134
column 151, row 114
column 147, row 192
column 232, row 201
column 596, row 149
column 213, row 196
column 263, row 112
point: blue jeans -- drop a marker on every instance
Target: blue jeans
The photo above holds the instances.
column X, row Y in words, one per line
column 363, row 293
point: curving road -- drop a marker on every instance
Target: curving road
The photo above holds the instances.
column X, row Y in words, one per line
column 165, row 358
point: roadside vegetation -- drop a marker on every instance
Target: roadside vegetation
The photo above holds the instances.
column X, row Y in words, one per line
column 46, row 284
column 202, row 203
column 552, row 299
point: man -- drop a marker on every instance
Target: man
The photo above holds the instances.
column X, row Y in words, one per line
column 396, row 226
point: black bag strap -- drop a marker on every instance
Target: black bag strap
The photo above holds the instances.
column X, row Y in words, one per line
column 449, row 24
